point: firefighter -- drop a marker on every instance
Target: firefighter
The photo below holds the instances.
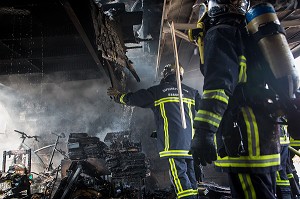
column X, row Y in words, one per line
column 292, row 172
column 173, row 141
column 283, row 187
column 293, row 176
column 295, row 143
column 234, row 127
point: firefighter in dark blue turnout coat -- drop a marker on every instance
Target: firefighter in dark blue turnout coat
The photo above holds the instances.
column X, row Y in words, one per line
column 234, row 126
column 173, row 141
column 283, row 186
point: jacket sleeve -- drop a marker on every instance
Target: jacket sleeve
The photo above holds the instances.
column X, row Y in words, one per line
column 221, row 74
column 197, row 101
column 143, row 98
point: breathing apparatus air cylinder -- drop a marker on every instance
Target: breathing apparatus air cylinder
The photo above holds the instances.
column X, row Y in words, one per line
column 264, row 25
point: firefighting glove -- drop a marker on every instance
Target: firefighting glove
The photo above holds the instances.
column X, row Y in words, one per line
column 203, row 147
column 113, row 92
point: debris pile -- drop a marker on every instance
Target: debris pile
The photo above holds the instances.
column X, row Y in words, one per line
column 124, row 157
column 81, row 146
column 127, row 163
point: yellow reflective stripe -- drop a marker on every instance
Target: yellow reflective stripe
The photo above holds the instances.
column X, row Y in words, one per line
column 243, row 70
column 175, row 175
column 189, row 192
column 218, row 94
column 290, row 175
column 247, row 186
column 122, row 98
column 166, row 126
column 209, row 117
column 277, row 175
column 174, row 99
column 294, row 145
column 174, row 153
column 282, row 182
column 286, row 143
column 249, row 161
column 284, row 140
column 294, row 142
column 252, row 131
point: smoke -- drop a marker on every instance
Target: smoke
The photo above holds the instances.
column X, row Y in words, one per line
column 76, row 107
column 67, row 107
column 71, row 107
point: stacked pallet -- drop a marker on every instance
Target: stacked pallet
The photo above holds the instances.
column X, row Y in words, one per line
column 81, row 146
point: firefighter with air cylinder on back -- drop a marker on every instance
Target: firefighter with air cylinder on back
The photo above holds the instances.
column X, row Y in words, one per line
column 249, row 81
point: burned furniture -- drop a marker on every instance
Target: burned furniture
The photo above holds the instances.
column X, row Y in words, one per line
column 82, row 146
column 84, row 173
column 83, row 181
column 96, row 170
column 128, row 165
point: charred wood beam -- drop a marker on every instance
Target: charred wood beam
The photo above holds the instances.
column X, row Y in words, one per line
column 113, row 80
column 72, row 15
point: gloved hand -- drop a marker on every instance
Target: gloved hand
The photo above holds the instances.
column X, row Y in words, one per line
column 203, row 147
column 113, row 92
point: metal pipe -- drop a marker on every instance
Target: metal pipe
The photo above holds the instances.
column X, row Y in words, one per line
column 182, row 114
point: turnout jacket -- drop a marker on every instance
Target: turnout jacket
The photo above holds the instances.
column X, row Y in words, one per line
column 246, row 141
column 172, row 139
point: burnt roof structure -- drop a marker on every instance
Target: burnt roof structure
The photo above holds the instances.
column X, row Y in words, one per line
column 78, row 40
column 72, row 39
column 184, row 14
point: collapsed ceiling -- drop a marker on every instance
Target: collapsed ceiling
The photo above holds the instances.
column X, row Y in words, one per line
column 78, row 40
column 73, row 39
